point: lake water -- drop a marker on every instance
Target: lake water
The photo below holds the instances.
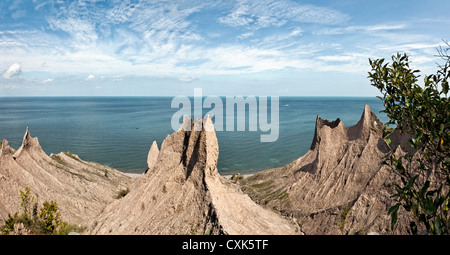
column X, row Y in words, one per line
column 118, row 131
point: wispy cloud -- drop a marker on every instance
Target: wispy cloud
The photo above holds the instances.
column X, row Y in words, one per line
column 187, row 79
column 245, row 35
column 15, row 70
column 82, row 33
column 148, row 37
column 185, row 40
column 360, row 29
column 265, row 13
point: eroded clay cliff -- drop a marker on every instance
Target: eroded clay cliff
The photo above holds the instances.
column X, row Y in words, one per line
column 81, row 189
column 183, row 193
column 340, row 186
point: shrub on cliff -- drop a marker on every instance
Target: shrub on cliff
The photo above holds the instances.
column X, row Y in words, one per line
column 48, row 221
column 421, row 111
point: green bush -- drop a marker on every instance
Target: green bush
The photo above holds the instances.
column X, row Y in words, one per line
column 26, row 200
column 9, row 224
column 421, row 111
column 47, row 222
column 50, row 217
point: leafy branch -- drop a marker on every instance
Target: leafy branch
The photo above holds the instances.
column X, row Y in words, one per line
column 422, row 112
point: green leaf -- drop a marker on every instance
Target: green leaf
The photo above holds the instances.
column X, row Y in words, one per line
column 428, row 206
column 439, row 199
column 444, row 87
column 437, row 225
column 415, row 210
column 393, row 220
column 411, row 182
column 447, row 161
column 418, row 135
column 393, row 212
column 387, row 141
column 413, row 227
column 413, row 143
column 424, row 189
column 393, row 208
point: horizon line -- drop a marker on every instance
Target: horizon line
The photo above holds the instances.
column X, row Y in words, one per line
column 100, row 96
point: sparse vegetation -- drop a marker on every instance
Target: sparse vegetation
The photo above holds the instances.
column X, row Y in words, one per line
column 284, row 195
column 69, row 154
column 266, row 191
column 193, row 229
column 262, row 185
column 236, row 177
column 343, row 216
column 58, row 159
column 47, row 222
column 66, row 228
column 361, row 232
column 211, row 229
column 122, row 193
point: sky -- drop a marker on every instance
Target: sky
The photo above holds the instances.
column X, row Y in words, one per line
column 168, row 48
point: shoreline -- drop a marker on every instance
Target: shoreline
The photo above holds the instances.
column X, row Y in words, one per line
column 226, row 176
column 133, row 175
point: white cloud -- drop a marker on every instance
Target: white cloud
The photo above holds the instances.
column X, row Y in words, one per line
column 385, row 27
column 240, row 59
column 245, row 35
column 49, row 80
column 261, row 14
column 416, row 46
column 117, row 78
column 145, row 38
column 360, row 29
column 90, row 77
column 82, row 32
column 187, row 79
column 10, row 87
column 282, row 39
column 239, row 17
column 337, row 58
column 15, row 70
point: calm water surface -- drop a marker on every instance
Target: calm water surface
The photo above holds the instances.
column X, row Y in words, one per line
column 118, row 131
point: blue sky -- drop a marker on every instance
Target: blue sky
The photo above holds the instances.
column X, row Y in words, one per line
column 154, row 48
